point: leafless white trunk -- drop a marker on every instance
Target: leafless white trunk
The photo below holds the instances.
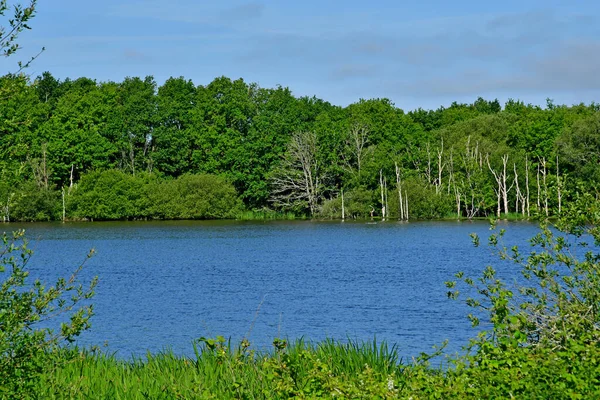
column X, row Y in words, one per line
column 343, row 206
column 500, row 177
column 400, row 199
column 298, row 180
column 441, row 166
column 558, row 188
column 544, row 174
column 358, row 138
column 381, row 185
column 428, row 170
column 519, row 197
column 527, row 183
column 539, row 189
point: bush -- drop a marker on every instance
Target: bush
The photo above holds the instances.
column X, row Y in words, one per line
column 32, row 203
column 358, row 203
column 194, row 197
column 28, row 346
column 544, row 340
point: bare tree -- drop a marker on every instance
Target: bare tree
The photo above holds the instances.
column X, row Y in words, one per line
column 501, row 178
column 558, row 187
column 441, row 165
column 544, row 171
column 527, row 184
column 383, row 187
column 356, row 142
column 402, row 211
column 298, row 181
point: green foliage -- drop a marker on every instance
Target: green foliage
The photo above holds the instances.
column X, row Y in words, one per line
column 114, row 195
column 108, row 195
column 358, row 204
column 28, row 344
column 424, row 202
column 16, row 24
column 194, row 197
column 32, row 203
column 542, row 340
column 293, row 154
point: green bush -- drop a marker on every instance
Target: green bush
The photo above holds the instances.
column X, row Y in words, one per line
column 194, row 197
column 28, row 346
column 106, row 195
column 114, row 195
column 544, row 340
column 32, row 203
column 358, row 204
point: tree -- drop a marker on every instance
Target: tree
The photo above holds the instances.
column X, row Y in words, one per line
column 298, row 181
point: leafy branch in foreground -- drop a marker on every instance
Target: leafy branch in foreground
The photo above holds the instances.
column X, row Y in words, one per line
column 16, row 24
column 27, row 342
column 544, row 330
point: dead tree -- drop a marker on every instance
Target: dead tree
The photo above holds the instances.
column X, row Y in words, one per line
column 558, row 188
column 402, row 208
column 298, row 180
column 441, row 165
column 356, row 142
column 382, row 185
column 343, row 206
column 527, row 183
column 519, row 197
column 544, row 172
column 501, row 178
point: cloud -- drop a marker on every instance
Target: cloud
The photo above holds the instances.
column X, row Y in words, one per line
column 243, row 12
column 351, row 71
column 135, row 55
column 570, row 67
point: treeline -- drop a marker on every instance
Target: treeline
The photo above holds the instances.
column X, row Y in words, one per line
column 81, row 149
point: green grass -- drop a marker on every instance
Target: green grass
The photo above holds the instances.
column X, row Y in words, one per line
column 300, row 370
column 267, row 215
column 328, row 369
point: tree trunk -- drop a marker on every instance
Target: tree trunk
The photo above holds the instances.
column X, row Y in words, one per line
column 527, row 183
column 382, row 195
column 343, row 208
column 558, row 192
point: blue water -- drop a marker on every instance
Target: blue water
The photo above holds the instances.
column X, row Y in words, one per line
column 162, row 284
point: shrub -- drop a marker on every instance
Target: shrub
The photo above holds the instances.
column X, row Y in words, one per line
column 544, row 340
column 28, row 344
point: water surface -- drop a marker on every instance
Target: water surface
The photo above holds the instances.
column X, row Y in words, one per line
column 162, row 284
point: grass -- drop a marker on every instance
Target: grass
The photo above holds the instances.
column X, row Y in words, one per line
column 218, row 371
column 267, row 215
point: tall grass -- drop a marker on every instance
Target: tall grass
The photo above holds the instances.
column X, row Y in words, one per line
column 267, row 215
column 301, row 369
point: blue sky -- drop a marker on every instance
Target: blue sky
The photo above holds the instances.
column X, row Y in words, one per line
column 418, row 54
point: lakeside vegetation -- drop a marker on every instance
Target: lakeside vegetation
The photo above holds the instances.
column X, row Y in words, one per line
column 82, row 149
column 538, row 338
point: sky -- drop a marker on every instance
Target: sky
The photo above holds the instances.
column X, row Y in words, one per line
column 417, row 54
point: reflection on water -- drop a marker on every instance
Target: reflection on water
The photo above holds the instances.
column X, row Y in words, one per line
column 165, row 283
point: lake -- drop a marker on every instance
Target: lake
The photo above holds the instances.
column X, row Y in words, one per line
column 162, row 284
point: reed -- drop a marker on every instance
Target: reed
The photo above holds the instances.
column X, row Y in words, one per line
column 267, row 215
column 219, row 370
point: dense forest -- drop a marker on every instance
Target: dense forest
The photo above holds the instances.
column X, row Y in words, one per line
column 82, row 149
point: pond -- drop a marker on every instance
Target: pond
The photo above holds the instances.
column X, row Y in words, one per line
column 162, row 284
